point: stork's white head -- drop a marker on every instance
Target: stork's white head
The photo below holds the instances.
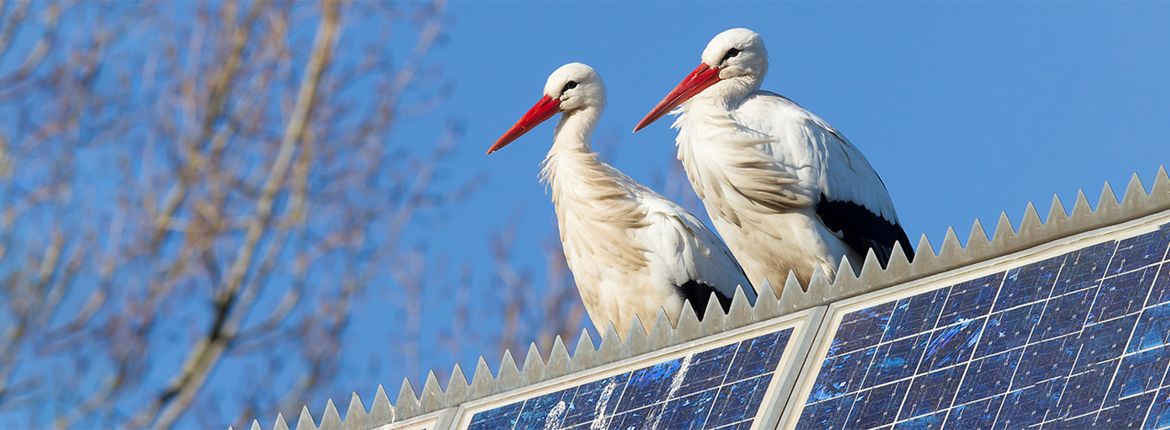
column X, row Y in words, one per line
column 571, row 88
column 577, row 86
column 733, row 65
column 738, row 53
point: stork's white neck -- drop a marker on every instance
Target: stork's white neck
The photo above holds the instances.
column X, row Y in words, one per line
column 575, row 129
column 728, row 93
column 596, row 206
column 571, row 149
column 579, row 180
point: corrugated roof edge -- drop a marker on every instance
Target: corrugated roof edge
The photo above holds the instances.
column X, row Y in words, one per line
column 536, row 368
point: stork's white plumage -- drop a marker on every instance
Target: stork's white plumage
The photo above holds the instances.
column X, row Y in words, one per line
column 631, row 251
column 783, row 188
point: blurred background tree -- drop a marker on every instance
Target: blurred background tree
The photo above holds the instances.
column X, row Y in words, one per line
column 195, row 198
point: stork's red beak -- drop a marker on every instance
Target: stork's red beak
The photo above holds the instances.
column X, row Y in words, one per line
column 543, row 110
column 704, row 76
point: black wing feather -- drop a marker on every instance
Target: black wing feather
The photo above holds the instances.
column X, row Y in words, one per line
column 862, row 229
column 699, row 293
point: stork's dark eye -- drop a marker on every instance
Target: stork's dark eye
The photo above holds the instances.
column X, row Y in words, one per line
column 730, row 53
column 569, row 86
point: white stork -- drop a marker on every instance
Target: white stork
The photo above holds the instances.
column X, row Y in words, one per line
column 785, row 189
column 631, row 251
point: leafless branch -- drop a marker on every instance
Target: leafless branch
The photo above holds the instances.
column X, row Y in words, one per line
column 191, row 191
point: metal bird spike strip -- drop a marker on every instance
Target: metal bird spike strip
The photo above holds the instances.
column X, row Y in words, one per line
column 617, row 344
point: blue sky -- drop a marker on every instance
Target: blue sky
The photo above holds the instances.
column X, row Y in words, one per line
column 965, row 109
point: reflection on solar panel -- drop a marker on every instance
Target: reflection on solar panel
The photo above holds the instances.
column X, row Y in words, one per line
column 717, row 388
column 1078, row 340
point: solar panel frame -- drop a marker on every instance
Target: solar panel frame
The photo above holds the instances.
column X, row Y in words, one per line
column 824, row 344
column 439, row 419
column 767, row 415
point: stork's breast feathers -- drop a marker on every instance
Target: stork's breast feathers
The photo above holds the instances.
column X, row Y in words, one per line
column 766, row 183
column 596, row 222
column 732, row 179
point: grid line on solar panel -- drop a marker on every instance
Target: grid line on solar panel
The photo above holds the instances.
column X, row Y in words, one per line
column 958, row 324
column 962, row 323
column 1079, row 338
column 1096, row 373
column 720, row 387
column 1076, row 358
column 1063, row 338
column 1149, row 270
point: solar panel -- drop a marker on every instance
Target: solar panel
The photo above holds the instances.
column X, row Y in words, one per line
column 721, row 387
column 1078, row 340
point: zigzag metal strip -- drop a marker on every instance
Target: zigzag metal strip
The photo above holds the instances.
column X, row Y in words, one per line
column 662, row 333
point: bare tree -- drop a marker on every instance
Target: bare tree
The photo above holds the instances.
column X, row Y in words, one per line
column 202, row 191
column 535, row 310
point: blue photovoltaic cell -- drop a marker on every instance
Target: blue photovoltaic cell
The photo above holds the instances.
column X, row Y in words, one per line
column 720, row 388
column 1077, row 341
